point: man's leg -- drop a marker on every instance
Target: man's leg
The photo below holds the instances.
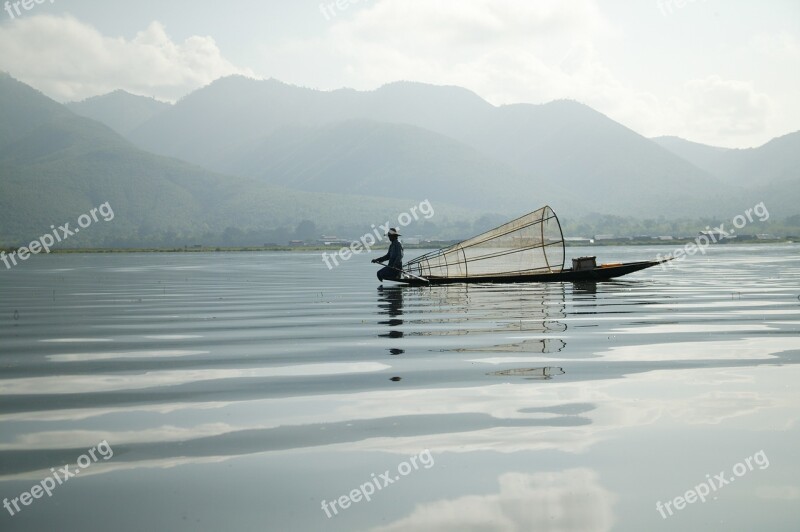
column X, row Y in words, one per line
column 385, row 273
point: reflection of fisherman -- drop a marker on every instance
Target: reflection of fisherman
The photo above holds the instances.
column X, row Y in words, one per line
column 394, row 256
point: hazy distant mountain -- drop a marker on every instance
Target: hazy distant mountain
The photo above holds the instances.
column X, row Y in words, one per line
column 207, row 125
column 276, row 155
column 712, row 159
column 55, row 166
column 614, row 168
column 562, row 153
column 769, row 173
column 119, row 110
column 388, row 159
column 775, row 162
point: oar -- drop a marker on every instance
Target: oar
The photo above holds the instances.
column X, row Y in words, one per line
column 424, row 280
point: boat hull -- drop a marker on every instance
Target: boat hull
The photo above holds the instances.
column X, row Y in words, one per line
column 599, row 273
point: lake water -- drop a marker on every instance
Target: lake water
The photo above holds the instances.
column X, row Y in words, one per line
column 257, row 391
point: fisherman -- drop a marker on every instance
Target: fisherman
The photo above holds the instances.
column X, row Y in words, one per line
column 394, row 256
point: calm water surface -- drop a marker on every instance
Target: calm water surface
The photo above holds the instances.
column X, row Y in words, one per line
column 238, row 391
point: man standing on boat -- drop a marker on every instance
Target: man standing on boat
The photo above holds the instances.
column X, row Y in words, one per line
column 394, row 256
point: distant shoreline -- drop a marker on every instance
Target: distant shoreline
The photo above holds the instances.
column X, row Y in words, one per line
column 233, row 249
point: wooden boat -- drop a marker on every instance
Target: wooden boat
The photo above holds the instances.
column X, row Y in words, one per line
column 529, row 249
column 602, row 272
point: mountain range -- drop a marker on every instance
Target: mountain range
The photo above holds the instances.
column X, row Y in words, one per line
column 119, row 110
column 777, row 161
column 258, row 157
column 562, row 153
column 511, row 158
column 56, row 165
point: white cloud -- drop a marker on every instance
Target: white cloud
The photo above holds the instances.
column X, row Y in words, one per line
column 506, row 51
column 70, row 60
column 563, row 501
column 714, row 108
column 509, row 51
column 781, row 493
column 781, row 45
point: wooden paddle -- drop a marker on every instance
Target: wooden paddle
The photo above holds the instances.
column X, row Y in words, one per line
column 424, row 280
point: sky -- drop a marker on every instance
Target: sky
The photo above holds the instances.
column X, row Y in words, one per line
column 719, row 72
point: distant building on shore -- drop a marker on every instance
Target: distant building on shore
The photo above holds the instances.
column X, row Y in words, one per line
column 329, row 240
column 716, row 236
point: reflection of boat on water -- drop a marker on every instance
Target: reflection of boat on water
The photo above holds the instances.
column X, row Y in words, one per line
column 487, row 309
column 528, row 249
column 523, row 319
column 535, row 346
column 545, row 373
